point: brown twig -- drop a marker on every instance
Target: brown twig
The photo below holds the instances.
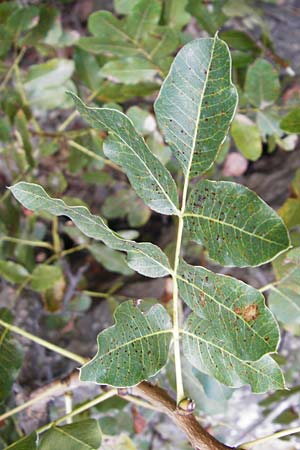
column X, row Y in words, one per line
column 196, row 434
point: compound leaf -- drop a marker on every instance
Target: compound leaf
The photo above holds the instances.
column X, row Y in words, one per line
column 263, row 375
column 133, row 349
column 196, row 104
column 144, row 258
column 237, row 227
column 126, row 147
column 82, row 435
column 243, row 325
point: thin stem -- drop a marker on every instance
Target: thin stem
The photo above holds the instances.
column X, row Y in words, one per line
column 26, row 242
column 177, row 307
column 68, row 405
column 139, row 402
column 37, row 398
column 64, row 253
column 75, row 113
column 12, row 68
column 46, row 344
column 270, row 437
column 95, row 401
column 269, row 286
column 55, row 236
column 93, row 155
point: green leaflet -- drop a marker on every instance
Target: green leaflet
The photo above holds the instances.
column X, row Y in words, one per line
column 129, row 70
column 145, row 258
column 138, row 35
column 291, row 122
column 133, row 349
column 284, row 299
column 197, row 103
column 242, row 324
column 263, row 375
column 262, row 85
column 151, row 180
column 236, row 226
column 82, row 435
column 25, row 443
column 11, row 358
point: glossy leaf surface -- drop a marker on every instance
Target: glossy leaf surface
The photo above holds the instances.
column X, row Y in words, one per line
column 145, row 258
column 124, row 146
column 237, row 227
column 196, row 104
column 133, row 349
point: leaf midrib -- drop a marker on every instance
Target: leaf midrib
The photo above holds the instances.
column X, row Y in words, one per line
column 195, row 336
column 136, row 154
column 223, row 306
column 134, row 250
column 230, row 225
column 137, row 339
column 78, row 441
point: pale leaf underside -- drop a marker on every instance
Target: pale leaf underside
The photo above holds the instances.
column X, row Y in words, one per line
column 145, row 258
column 151, row 180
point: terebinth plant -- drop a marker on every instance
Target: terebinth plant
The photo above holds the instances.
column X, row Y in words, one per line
column 229, row 333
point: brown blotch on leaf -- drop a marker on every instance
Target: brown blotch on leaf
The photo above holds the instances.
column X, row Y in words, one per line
column 249, row 312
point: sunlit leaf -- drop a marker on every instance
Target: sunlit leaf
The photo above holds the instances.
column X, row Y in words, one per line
column 236, row 226
column 291, row 122
column 129, row 70
column 246, row 137
column 151, row 180
column 145, row 258
column 45, row 277
column 196, row 104
column 13, row 272
column 133, row 349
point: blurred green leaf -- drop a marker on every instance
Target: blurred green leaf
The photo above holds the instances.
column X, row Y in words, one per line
column 130, row 70
column 13, row 272
column 246, row 137
column 291, row 122
column 112, row 260
column 11, row 357
column 46, row 83
column 25, row 443
column 45, row 277
column 262, row 85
